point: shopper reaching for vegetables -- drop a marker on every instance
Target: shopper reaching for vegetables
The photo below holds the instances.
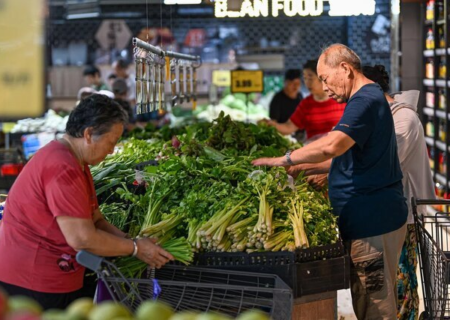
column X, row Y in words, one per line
column 52, row 212
column 365, row 181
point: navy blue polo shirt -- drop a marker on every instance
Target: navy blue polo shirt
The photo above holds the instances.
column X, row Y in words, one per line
column 365, row 183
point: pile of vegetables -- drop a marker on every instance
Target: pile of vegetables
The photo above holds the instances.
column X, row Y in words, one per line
column 51, row 122
column 205, row 195
column 238, row 106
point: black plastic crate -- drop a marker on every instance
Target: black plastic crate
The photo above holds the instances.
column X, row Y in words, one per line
column 307, row 271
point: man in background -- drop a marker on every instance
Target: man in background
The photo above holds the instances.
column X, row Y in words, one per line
column 285, row 102
column 93, row 78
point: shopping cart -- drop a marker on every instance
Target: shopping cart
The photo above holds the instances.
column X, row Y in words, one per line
column 433, row 234
column 192, row 288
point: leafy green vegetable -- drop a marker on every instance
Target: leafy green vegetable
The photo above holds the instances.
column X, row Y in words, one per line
column 206, row 193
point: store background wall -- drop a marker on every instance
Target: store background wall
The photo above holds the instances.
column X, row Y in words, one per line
column 297, row 39
column 412, row 46
column 369, row 36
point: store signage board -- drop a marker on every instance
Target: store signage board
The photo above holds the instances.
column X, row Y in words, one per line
column 247, row 81
column 22, row 85
column 294, row 8
column 221, row 78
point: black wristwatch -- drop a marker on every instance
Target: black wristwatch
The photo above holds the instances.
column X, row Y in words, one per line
column 288, row 157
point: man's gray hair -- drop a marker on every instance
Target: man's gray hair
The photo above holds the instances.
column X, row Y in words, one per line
column 336, row 53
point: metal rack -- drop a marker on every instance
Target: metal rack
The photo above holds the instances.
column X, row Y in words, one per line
column 156, row 50
column 154, row 67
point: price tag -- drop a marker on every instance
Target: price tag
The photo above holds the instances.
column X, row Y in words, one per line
column 221, row 78
column 247, row 81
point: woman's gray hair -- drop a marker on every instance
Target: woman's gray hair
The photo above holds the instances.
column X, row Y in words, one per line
column 336, row 53
column 97, row 112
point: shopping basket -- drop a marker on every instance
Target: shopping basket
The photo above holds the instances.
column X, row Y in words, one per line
column 433, row 234
column 192, row 288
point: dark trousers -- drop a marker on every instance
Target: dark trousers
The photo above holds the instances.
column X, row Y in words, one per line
column 54, row 300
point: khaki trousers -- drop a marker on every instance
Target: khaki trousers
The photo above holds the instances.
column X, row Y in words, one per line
column 373, row 270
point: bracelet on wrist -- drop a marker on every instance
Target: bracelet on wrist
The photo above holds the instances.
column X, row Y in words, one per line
column 135, row 250
column 288, row 157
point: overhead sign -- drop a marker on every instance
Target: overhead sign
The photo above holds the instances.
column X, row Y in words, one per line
column 22, row 59
column 247, row 81
column 221, row 78
column 292, row 8
column 352, row 7
column 182, row 1
column 113, row 34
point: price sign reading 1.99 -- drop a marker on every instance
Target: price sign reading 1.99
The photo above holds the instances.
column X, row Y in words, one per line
column 247, row 81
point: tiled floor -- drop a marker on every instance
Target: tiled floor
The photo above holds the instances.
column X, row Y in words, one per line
column 344, row 302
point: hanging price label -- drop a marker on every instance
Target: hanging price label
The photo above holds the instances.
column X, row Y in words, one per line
column 247, row 81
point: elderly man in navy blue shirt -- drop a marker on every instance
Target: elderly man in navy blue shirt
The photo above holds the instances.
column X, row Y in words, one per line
column 365, row 181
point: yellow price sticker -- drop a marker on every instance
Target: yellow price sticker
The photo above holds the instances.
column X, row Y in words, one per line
column 221, row 78
column 247, row 81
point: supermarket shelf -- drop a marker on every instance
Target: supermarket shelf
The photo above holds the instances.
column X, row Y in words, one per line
column 439, row 22
column 431, row 52
column 440, row 114
column 430, row 83
column 428, row 53
column 441, row 179
column 440, row 145
column 429, row 141
column 428, row 111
